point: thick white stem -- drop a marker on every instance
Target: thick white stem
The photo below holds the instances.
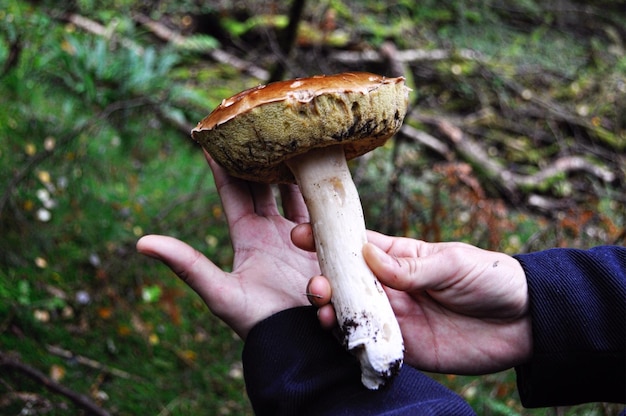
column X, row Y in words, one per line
column 366, row 319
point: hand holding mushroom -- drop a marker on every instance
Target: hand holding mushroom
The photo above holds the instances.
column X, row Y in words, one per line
column 269, row 273
column 462, row 309
column 304, row 130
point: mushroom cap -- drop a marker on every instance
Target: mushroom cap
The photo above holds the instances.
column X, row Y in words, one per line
column 254, row 132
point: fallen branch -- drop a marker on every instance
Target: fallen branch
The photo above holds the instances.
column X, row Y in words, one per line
column 164, row 33
column 8, row 363
column 181, row 124
column 560, row 166
column 407, row 56
column 474, row 152
column 512, row 184
column 425, row 139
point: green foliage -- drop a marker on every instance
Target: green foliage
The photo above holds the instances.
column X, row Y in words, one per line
column 198, row 43
column 102, row 74
column 237, row 28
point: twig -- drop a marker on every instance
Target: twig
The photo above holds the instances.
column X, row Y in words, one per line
column 163, row 32
column 96, row 28
column 226, row 58
column 80, row 400
column 60, row 352
column 408, row 56
column 546, row 204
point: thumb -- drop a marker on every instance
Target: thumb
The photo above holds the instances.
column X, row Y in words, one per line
column 387, row 269
column 403, row 273
column 186, row 262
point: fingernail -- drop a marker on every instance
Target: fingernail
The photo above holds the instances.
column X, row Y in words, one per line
column 150, row 254
column 313, row 295
column 377, row 253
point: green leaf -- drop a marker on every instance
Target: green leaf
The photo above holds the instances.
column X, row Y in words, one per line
column 151, row 294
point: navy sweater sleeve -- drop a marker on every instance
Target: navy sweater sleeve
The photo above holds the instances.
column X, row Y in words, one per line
column 578, row 311
column 293, row 367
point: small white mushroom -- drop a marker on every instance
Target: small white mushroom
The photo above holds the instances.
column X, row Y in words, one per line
column 304, row 130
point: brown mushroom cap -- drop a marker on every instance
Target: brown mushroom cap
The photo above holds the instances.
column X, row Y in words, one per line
column 252, row 133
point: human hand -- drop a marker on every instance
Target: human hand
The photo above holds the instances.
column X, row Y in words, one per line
column 461, row 309
column 269, row 273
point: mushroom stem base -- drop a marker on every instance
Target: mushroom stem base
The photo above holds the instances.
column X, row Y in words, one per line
column 368, row 324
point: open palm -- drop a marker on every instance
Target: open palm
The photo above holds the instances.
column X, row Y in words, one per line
column 269, row 273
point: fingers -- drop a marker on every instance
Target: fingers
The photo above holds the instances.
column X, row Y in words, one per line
column 416, row 265
column 293, row 204
column 190, row 265
column 234, row 193
column 302, row 237
column 318, row 291
column 263, row 200
column 399, row 273
column 319, row 294
column 239, row 197
column 326, row 316
column 400, row 263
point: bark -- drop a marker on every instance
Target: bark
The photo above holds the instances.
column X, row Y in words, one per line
column 8, row 363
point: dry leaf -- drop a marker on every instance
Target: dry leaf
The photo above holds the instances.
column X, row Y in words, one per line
column 57, row 372
column 105, row 312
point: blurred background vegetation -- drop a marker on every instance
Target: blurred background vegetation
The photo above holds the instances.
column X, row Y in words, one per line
column 515, row 141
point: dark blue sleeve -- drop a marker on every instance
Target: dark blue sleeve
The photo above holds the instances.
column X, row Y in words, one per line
column 578, row 310
column 293, row 367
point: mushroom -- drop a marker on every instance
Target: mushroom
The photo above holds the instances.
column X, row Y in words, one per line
column 305, row 130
